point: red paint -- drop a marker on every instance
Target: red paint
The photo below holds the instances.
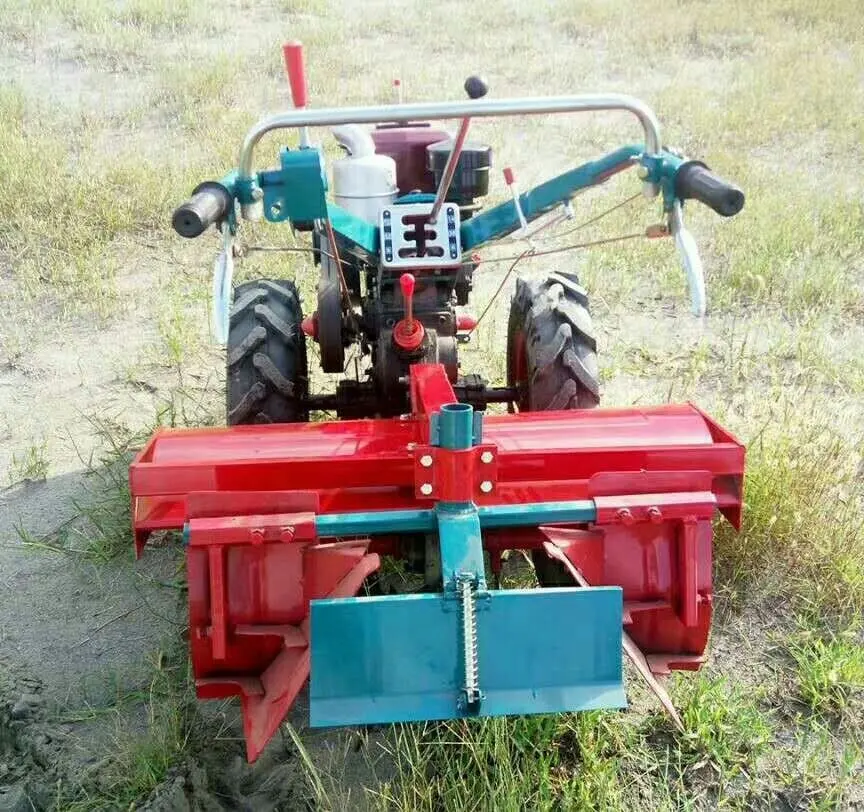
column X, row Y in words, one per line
column 465, row 322
column 292, row 53
column 309, row 326
column 408, row 333
column 250, row 494
column 509, row 177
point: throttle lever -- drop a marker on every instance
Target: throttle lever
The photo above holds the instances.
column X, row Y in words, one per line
column 476, row 88
column 688, row 253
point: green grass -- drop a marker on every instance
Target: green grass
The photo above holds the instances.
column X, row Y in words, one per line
column 829, row 669
column 803, row 533
column 65, row 211
column 593, row 760
column 31, row 465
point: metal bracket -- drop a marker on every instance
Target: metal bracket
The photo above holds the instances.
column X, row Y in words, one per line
column 470, row 475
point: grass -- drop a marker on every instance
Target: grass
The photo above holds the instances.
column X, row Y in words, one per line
column 829, row 668
column 141, row 758
column 66, row 210
column 32, row 465
column 803, row 532
column 593, row 760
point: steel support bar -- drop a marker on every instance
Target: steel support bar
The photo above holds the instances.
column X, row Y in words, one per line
column 385, row 522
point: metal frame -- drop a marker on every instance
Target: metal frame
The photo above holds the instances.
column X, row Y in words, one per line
column 404, row 113
column 279, row 518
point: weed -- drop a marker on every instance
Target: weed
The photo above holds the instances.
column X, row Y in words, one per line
column 803, row 534
column 829, row 668
column 725, row 727
column 31, row 465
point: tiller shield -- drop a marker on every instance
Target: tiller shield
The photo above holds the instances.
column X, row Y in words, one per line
column 283, row 524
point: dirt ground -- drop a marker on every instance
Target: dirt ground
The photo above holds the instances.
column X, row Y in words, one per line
column 86, row 644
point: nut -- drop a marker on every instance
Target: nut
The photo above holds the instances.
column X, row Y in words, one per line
column 487, row 457
column 486, row 486
column 426, row 489
column 256, row 535
column 426, row 460
column 287, row 533
column 655, row 515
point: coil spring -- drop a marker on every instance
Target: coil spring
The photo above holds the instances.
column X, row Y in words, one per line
column 469, row 641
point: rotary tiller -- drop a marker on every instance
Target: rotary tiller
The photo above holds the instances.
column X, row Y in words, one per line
column 286, row 522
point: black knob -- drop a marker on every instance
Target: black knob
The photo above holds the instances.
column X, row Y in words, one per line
column 475, row 87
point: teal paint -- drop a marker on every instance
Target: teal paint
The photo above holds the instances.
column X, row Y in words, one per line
column 503, row 219
column 385, row 522
column 397, row 658
column 461, row 543
column 662, row 169
column 358, row 234
column 297, row 191
column 455, row 426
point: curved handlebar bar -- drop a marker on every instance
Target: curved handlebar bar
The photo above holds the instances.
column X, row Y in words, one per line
column 404, row 113
column 695, row 181
column 210, row 203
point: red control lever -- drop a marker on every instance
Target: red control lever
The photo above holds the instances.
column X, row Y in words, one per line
column 292, row 52
column 407, row 282
column 408, row 334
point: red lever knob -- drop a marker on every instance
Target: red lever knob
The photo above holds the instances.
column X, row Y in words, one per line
column 407, row 282
column 509, row 177
column 292, row 52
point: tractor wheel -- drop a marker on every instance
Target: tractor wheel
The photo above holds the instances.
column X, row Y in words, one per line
column 552, row 363
column 267, row 370
column 551, row 350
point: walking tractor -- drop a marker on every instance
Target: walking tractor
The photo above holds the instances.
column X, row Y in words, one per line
column 287, row 523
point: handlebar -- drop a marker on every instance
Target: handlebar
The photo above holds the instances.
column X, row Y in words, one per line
column 404, row 113
column 210, row 203
column 695, row 181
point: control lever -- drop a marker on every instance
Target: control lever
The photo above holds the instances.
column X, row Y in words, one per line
column 408, row 333
column 292, row 53
column 688, row 253
column 510, row 180
column 476, row 88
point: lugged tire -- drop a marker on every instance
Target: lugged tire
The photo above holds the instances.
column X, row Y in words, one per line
column 552, row 360
column 551, row 317
column 267, row 372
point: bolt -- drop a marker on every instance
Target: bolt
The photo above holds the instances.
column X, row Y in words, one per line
column 287, row 533
column 625, row 516
column 487, row 457
column 257, row 193
column 426, row 461
column 642, row 172
column 256, row 535
column 426, row 489
column 486, row 486
column 655, row 514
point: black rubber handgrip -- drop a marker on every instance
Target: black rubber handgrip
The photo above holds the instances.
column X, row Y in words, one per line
column 210, row 203
column 695, row 181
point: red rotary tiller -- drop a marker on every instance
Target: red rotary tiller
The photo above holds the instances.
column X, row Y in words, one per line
column 286, row 522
